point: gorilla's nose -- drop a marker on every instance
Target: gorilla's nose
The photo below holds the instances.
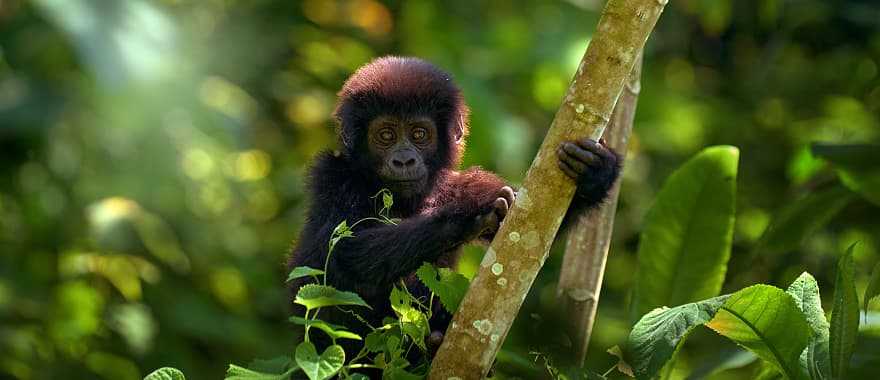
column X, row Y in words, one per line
column 404, row 160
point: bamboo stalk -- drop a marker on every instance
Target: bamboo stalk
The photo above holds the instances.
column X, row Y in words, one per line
column 519, row 249
column 586, row 251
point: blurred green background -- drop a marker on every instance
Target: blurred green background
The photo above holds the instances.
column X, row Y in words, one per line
column 153, row 153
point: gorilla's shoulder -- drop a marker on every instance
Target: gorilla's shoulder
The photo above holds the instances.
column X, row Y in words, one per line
column 331, row 175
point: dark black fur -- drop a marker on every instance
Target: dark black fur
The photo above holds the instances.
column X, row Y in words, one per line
column 434, row 223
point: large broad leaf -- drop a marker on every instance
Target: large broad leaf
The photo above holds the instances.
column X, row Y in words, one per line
column 797, row 220
column 313, row 296
column 816, row 357
column 166, row 373
column 319, row 367
column 844, row 316
column 685, row 245
column 235, row 372
column 768, row 322
column 448, row 285
column 654, row 339
column 856, row 165
column 299, row 272
column 334, row 331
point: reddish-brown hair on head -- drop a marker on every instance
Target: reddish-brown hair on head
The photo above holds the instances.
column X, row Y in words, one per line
column 402, row 86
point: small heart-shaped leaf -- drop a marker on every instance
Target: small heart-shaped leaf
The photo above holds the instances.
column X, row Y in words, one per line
column 319, row 367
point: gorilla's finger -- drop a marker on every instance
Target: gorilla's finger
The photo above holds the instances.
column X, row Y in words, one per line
column 508, row 194
column 501, row 207
column 576, row 163
column 489, row 222
column 567, row 170
column 581, row 154
column 600, row 149
column 435, row 339
column 588, row 144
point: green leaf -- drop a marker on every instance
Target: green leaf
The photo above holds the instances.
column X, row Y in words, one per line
column 767, row 321
column 392, row 347
column 844, row 316
column 375, row 340
column 166, row 373
column 448, row 285
column 299, row 272
column 856, row 166
column 235, row 372
column 800, row 218
column 873, row 289
column 622, row 365
column 413, row 322
column 276, row 365
column 655, row 337
column 688, row 231
column 313, row 296
column 319, row 367
column 341, row 231
column 767, row 371
column 816, row 357
column 334, row 331
column 387, row 200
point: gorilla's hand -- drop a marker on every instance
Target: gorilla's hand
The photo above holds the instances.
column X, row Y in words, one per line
column 491, row 217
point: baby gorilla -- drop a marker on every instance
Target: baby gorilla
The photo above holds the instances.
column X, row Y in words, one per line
column 402, row 124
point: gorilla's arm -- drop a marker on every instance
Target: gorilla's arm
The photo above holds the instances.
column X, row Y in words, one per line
column 383, row 254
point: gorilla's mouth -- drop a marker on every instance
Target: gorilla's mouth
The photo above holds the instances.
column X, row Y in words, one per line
column 407, row 185
column 408, row 181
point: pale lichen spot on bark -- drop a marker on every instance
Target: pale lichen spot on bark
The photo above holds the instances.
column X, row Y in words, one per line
column 494, row 338
column 513, row 236
column 453, row 378
column 488, row 258
column 579, row 108
column 514, row 264
column 502, row 282
column 524, row 279
column 484, row 326
column 497, row 269
column 531, row 240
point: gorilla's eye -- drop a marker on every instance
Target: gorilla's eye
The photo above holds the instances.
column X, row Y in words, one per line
column 386, row 135
column 419, row 134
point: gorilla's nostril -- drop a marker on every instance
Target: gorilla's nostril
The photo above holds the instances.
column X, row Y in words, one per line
column 403, row 163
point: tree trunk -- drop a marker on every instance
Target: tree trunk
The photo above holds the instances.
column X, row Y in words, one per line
column 586, row 251
column 521, row 245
